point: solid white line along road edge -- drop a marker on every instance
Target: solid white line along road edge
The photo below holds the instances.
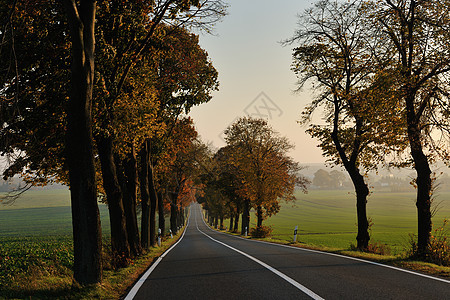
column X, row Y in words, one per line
column 144, row 277
column 336, row 255
column 282, row 275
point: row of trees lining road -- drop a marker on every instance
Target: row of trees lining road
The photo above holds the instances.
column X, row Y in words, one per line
column 252, row 171
column 380, row 71
column 94, row 95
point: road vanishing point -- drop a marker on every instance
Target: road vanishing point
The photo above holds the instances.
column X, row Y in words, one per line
column 206, row 264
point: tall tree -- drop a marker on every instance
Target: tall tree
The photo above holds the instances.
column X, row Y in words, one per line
column 36, row 118
column 130, row 188
column 419, row 32
column 128, row 30
column 336, row 54
column 42, row 50
column 183, row 167
column 79, row 145
column 184, row 77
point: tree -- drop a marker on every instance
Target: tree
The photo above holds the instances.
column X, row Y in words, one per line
column 184, row 167
column 332, row 180
column 129, row 43
column 266, row 171
column 338, row 178
column 40, row 78
column 336, row 53
column 184, row 77
column 129, row 182
column 34, row 105
column 32, row 102
column 220, row 184
column 229, row 183
column 419, row 32
column 79, row 145
column 322, row 179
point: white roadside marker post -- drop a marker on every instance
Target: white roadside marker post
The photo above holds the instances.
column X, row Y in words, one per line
column 159, row 237
column 246, row 231
column 171, row 235
column 295, row 234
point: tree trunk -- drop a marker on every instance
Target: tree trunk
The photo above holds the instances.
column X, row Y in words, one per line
column 259, row 215
column 145, row 196
column 236, row 219
column 362, row 191
column 245, row 217
column 130, row 202
column 182, row 216
column 173, row 212
column 153, row 203
column 87, row 235
column 161, row 220
column 216, row 221
column 221, row 222
column 119, row 238
column 423, row 181
column 231, row 222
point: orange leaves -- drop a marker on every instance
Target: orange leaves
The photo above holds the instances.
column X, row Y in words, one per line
column 258, row 158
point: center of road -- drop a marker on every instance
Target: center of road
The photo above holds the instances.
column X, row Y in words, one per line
column 284, row 276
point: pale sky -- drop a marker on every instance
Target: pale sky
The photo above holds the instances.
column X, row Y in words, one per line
column 254, row 73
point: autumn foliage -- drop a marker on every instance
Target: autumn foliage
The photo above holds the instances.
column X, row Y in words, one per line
column 135, row 69
column 252, row 171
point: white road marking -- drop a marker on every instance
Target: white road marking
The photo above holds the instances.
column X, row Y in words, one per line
column 336, row 255
column 360, row 260
column 282, row 275
column 144, row 277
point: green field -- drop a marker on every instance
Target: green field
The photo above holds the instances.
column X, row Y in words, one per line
column 39, row 198
column 42, row 212
column 328, row 218
column 36, row 243
column 324, row 217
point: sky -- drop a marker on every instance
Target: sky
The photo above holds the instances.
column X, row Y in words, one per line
column 255, row 75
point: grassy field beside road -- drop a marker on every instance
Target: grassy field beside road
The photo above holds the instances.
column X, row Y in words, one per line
column 36, row 251
column 328, row 218
column 36, row 236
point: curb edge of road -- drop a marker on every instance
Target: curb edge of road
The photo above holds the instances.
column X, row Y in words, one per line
column 332, row 254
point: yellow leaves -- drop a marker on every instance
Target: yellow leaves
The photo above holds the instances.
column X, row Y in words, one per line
column 135, row 118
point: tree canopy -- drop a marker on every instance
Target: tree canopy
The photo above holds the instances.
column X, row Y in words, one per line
column 255, row 167
column 149, row 71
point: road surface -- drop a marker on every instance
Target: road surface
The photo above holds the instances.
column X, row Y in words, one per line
column 206, row 264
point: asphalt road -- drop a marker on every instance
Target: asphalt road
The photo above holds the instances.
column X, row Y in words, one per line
column 206, row 264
